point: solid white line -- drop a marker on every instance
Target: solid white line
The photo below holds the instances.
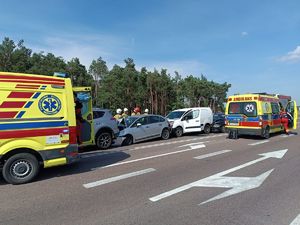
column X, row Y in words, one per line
column 212, row 154
column 150, row 157
column 121, row 177
column 296, row 221
column 260, row 142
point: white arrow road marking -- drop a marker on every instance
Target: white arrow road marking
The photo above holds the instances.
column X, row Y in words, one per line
column 121, row 177
column 237, row 184
column 212, row 154
column 259, row 143
column 149, row 157
column 296, row 221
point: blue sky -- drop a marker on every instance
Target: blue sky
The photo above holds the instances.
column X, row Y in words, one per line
column 253, row 45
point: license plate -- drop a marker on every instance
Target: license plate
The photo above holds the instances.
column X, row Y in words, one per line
column 233, row 124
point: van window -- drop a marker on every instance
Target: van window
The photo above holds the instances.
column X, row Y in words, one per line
column 193, row 115
column 246, row 108
column 275, row 108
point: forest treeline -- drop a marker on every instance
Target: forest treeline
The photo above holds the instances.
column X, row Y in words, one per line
column 119, row 87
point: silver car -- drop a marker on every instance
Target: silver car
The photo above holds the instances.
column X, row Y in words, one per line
column 144, row 127
column 105, row 128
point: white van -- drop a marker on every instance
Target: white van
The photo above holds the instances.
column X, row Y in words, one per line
column 190, row 120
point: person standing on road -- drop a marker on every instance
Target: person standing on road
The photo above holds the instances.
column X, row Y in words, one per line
column 136, row 111
column 284, row 120
column 146, row 111
column 118, row 116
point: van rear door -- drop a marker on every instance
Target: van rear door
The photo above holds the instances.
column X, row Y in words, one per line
column 87, row 128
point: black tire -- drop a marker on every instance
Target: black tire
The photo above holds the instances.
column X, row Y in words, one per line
column 266, row 133
column 223, row 129
column 165, row 134
column 128, row 140
column 178, row 132
column 207, row 129
column 104, row 140
column 20, row 168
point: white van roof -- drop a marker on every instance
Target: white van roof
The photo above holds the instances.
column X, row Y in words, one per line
column 186, row 109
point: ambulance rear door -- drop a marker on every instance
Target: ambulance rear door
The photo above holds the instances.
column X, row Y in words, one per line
column 87, row 127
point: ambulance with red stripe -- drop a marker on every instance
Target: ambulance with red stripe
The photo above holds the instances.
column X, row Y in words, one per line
column 259, row 114
column 37, row 125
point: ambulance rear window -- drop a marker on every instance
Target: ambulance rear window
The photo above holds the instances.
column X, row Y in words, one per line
column 246, row 108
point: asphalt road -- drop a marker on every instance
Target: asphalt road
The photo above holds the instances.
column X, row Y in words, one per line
column 196, row 179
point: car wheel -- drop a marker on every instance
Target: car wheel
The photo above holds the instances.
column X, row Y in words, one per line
column 165, row 134
column 20, row 168
column 128, row 140
column 207, row 129
column 266, row 133
column 223, row 130
column 104, row 140
column 178, row 131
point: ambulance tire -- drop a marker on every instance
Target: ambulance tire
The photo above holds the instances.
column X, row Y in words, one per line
column 20, row 168
column 104, row 140
column 266, row 133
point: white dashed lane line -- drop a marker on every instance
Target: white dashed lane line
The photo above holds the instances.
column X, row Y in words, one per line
column 212, row 154
column 117, row 178
column 259, row 143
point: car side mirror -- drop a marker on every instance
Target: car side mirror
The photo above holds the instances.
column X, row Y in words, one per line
column 138, row 124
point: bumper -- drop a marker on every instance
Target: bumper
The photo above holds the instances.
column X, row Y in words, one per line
column 245, row 131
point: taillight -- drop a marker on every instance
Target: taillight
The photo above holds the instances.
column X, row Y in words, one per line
column 72, row 135
column 260, row 121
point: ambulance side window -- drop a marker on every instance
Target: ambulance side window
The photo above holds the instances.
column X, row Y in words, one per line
column 275, row 108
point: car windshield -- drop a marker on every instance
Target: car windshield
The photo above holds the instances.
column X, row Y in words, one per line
column 246, row 108
column 175, row 115
column 129, row 120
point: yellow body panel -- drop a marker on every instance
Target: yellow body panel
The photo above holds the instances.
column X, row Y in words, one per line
column 55, row 162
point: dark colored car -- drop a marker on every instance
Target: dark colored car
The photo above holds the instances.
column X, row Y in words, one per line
column 218, row 124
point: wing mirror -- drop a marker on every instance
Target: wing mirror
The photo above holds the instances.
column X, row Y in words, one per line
column 138, row 124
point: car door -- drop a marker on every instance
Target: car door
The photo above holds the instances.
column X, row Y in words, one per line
column 292, row 112
column 191, row 121
column 155, row 126
column 140, row 129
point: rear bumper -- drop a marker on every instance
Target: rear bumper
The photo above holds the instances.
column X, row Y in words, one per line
column 245, row 131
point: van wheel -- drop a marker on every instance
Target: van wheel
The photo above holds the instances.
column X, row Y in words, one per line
column 266, row 133
column 104, row 140
column 178, row 131
column 206, row 129
column 128, row 140
column 165, row 134
column 20, row 168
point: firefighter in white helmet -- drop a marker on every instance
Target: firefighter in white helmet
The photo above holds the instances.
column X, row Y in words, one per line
column 125, row 113
column 146, row 111
column 118, row 116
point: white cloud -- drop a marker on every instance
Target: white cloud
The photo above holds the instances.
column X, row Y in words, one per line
column 244, row 33
column 85, row 47
column 184, row 68
column 292, row 56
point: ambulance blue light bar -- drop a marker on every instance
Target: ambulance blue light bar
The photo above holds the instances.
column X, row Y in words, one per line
column 58, row 74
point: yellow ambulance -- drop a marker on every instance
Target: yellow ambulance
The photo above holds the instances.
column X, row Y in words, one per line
column 37, row 124
column 258, row 114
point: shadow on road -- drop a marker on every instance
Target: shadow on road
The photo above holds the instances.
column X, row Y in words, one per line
column 87, row 163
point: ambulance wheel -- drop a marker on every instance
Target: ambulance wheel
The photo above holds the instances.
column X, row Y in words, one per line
column 206, row 129
column 266, row 133
column 104, row 140
column 20, row 168
column 178, row 131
